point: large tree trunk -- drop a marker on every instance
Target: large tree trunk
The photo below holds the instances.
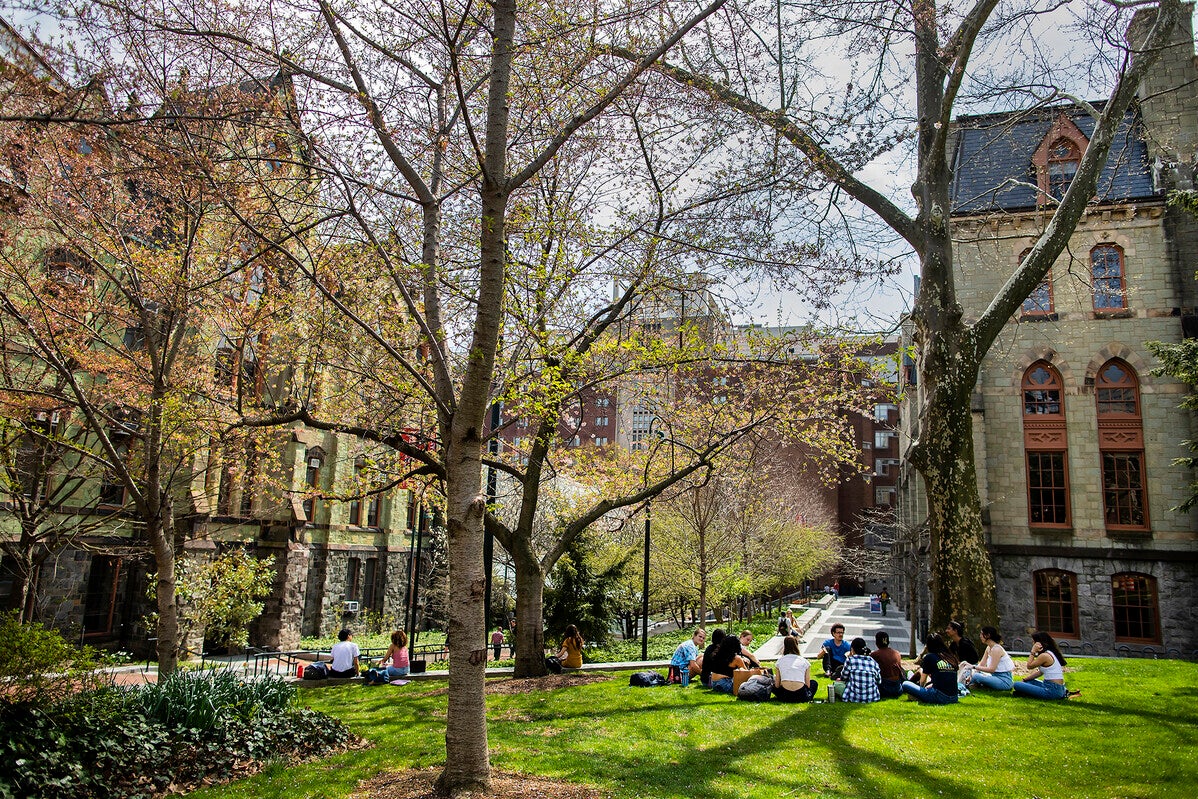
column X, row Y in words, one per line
column 962, row 577
column 162, row 541
column 530, row 632
column 467, row 766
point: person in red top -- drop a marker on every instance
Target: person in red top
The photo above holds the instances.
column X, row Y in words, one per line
column 497, row 642
column 891, row 663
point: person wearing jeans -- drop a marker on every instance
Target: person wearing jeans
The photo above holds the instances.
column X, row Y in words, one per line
column 938, row 674
column 995, row 670
column 1046, row 680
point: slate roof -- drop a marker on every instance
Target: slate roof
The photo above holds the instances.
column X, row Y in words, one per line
column 993, row 151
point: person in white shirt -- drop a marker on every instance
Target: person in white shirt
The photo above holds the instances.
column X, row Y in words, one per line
column 995, row 670
column 792, row 674
column 345, row 656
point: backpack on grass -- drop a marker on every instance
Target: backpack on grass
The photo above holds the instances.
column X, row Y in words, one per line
column 317, row 671
column 646, row 679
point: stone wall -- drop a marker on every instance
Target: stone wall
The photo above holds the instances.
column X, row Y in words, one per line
column 1175, row 589
column 282, row 616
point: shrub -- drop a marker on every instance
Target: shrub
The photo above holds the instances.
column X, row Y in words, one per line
column 209, row 700
column 37, row 666
column 137, row 742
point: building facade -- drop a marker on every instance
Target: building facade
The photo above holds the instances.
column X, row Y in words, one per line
column 340, row 534
column 1074, row 434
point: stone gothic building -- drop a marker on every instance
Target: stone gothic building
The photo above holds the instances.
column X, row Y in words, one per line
column 1074, row 435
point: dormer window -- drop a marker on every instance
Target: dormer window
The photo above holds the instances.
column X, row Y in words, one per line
column 1063, row 158
column 1057, row 158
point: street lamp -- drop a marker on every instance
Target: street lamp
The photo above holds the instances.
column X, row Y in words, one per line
column 648, row 535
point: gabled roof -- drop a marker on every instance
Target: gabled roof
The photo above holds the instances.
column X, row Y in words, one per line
column 992, row 159
column 15, row 49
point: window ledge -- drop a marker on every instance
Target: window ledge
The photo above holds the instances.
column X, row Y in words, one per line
column 1134, row 533
column 1041, row 530
column 1038, row 317
column 1115, row 313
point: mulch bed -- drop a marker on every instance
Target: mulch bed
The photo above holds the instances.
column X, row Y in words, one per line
column 421, row 784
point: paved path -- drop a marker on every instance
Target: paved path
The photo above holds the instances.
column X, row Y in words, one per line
column 853, row 613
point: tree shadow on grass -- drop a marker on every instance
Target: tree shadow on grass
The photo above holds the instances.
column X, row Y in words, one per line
column 726, row 768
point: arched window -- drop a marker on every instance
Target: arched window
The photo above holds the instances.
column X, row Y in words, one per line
column 1046, row 447
column 1056, row 602
column 1039, row 302
column 1106, row 267
column 314, row 462
column 1121, row 446
column 1133, row 597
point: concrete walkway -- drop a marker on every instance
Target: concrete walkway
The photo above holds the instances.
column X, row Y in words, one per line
column 853, row 613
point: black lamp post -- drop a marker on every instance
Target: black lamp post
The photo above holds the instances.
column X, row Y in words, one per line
column 648, row 536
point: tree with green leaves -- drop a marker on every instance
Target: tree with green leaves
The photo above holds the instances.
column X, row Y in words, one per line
column 909, row 69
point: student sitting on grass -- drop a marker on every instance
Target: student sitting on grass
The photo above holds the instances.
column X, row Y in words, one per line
column 345, row 656
column 834, row 651
column 571, row 652
column 995, row 670
column 1046, row 679
column 890, row 663
column 686, row 656
column 861, row 675
column 708, row 657
column 727, row 660
column 938, row 678
column 792, row 674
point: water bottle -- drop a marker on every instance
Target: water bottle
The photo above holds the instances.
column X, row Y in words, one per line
column 686, row 676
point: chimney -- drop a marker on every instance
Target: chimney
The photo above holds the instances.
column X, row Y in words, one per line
column 1169, row 93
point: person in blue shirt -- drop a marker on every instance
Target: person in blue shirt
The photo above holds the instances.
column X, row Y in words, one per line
column 686, row 656
column 834, row 651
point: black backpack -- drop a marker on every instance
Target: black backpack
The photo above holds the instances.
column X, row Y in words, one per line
column 317, row 671
column 646, row 679
column 554, row 664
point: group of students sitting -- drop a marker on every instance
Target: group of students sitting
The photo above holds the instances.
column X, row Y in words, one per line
column 948, row 664
column 947, row 668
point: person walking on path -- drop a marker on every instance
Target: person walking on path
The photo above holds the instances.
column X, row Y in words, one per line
column 497, row 642
column 884, row 598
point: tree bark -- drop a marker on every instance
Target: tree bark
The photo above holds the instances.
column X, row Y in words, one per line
column 530, row 632
column 160, row 531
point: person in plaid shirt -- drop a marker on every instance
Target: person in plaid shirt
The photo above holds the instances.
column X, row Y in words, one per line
column 861, row 675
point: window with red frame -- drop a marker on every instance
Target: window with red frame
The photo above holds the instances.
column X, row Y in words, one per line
column 1045, row 446
column 1121, row 444
column 1133, row 597
column 1056, row 601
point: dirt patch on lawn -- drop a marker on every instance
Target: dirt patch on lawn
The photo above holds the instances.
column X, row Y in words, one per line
column 421, row 784
column 507, row 686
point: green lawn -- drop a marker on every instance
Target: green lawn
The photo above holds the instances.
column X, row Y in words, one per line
column 1132, row 733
